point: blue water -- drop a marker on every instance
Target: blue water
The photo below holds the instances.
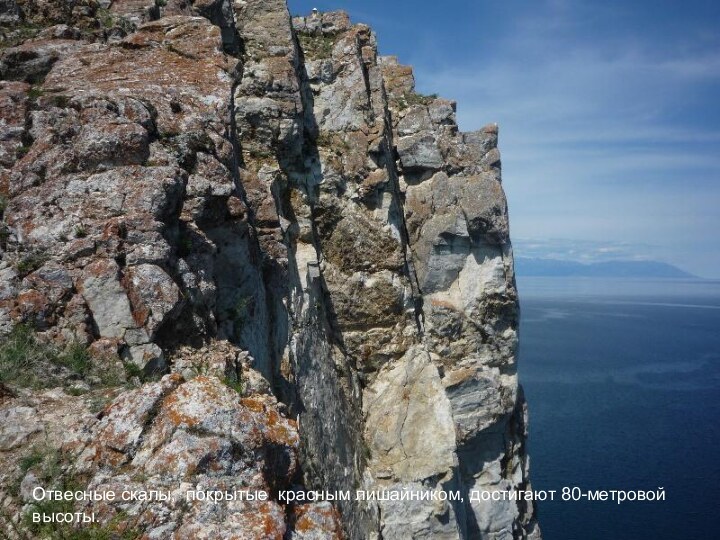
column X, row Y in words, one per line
column 623, row 383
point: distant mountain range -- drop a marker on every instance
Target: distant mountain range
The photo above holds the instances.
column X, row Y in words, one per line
column 628, row 269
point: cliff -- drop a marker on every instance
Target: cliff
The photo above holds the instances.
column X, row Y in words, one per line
column 240, row 252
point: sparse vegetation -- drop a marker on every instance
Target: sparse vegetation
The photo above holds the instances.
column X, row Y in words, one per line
column 185, row 244
column 133, row 371
column 4, row 234
column 44, row 461
column 408, row 99
column 105, row 18
column 4, row 230
column 76, row 358
column 61, row 101
column 30, row 262
column 260, row 154
column 333, row 141
column 35, row 92
column 53, row 471
column 34, row 458
column 15, row 35
column 237, row 385
column 199, row 369
column 80, row 231
column 22, row 356
column 241, row 311
column 324, row 139
column 27, row 362
column 22, row 151
column 317, row 46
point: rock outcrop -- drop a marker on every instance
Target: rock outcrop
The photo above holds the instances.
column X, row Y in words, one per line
column 240, row 252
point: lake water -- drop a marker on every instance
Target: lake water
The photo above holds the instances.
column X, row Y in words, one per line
column 623, row 383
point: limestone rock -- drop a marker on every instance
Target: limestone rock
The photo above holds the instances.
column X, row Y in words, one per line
column 417, row 440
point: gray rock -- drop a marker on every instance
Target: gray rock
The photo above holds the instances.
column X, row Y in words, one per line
column 107, row 300
column 16, row 426
column 419, row 152
column 314, row 252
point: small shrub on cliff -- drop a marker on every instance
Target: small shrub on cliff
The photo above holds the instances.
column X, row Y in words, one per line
column 105, row 18
column 3, row 206
column 35, row 93
column 46, row 462
column 60, row 101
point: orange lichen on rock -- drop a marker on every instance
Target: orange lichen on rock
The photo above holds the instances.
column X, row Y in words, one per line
column 317, row 520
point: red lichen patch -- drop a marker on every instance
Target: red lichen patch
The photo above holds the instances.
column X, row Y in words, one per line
column 30, row 303
column 152, row 294
column 275, row 428
column 236, row 207
column 194, row 401
column 317, row 519
column 253, row 404
column 101, row 268
column 124, row 421
column 399, row 79
column 281, row 430
column 264, row 521
column 110, row 457
column 175, row 59
column 140, row 312
column 4, row 182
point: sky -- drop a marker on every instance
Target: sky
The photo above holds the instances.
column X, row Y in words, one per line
column 609, row 113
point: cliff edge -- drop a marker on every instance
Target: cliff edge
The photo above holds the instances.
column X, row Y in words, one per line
column 239, row 252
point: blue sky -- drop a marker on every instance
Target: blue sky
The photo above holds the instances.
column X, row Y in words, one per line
column 609, row 113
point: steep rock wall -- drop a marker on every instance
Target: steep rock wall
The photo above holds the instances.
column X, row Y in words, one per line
column 197, row 176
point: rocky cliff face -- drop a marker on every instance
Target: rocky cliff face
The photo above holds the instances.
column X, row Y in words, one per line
column 239, row 251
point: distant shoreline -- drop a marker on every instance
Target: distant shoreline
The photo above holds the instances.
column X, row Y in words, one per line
column 539, row 267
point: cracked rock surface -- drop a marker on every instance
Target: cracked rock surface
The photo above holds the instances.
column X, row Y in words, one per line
column 238, row 251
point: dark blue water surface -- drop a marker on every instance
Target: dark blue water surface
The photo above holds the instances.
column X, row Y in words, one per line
column 623, row 383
